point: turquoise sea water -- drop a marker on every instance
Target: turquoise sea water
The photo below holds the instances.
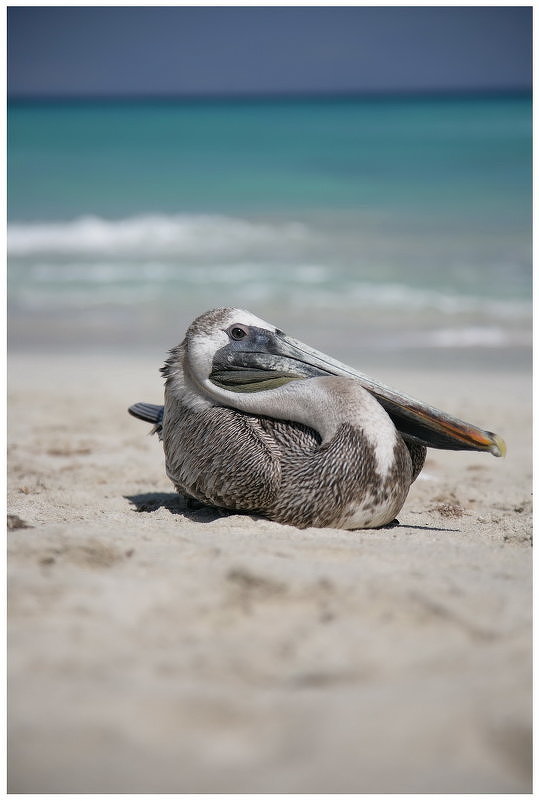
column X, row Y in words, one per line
column 409, row 218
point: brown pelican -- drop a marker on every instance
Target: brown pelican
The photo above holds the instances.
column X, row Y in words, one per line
column 255, row 421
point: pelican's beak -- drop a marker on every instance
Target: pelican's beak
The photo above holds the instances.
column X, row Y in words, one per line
column 418, row 421
column 281, row 355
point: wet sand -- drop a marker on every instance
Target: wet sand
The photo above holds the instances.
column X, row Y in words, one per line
column 155, row 648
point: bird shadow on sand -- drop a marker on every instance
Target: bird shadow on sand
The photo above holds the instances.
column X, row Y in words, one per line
column 176, row 504
column 198, row 512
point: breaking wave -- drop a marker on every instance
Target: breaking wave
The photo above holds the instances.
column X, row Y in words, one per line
column 92, row 266
column 188, row 236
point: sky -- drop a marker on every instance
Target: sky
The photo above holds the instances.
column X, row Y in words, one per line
column 219, row 50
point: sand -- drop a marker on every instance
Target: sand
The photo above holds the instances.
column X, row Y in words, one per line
column 156, row 648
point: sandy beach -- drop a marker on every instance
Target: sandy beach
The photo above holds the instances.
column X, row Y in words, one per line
column 156, row 648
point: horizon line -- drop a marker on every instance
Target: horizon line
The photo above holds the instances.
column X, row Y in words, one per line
column 272, row 96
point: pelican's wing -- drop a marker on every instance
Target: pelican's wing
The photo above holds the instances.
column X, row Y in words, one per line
column 222, row 458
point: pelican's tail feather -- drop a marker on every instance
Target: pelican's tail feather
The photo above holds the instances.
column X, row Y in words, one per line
column 149, row 413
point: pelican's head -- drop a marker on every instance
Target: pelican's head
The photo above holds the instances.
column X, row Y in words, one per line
column 237, row 351
column 216, row 338
column 231, row 351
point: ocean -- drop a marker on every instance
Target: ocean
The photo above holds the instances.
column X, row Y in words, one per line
column 396, row 222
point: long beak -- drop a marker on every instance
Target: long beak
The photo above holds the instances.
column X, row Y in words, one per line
column 415, row 420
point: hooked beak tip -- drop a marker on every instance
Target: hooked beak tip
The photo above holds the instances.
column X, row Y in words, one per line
column 499, row 448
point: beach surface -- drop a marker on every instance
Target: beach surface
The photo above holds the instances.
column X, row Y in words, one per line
column 157, row 648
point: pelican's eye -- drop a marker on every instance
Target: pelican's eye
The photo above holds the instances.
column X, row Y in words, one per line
column 238, row 332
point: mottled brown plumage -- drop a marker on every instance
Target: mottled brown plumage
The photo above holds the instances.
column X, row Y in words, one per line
column 278, row 468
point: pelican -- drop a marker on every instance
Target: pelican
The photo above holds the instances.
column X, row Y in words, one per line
column 257, row 422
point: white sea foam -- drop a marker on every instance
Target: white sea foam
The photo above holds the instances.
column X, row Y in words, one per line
column 473, row 336
column 197, row 261
column 408, row 301
column 152, row 235
column 298, row 285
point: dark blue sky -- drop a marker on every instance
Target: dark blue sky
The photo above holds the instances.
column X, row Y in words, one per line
column 142, row 50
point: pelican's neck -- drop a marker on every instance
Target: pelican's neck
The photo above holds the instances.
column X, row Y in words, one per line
column 180, row 385
column 323, row 404
column 308, row 401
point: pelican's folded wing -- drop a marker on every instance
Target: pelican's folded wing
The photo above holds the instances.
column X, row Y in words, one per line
column 222, row 457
